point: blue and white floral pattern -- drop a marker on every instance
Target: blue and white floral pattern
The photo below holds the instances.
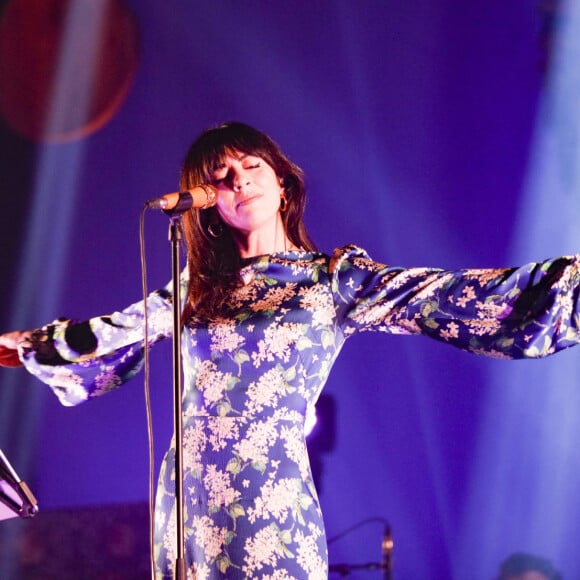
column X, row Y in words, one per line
column 251, row 508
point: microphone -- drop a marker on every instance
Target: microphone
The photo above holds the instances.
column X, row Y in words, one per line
column 387, row 546
column 199, row 197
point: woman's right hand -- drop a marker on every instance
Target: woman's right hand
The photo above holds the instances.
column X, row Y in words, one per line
column 9, row 343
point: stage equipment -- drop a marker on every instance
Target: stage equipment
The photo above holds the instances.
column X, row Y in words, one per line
column 201, row 197
column 387, row 546
column 16, row 499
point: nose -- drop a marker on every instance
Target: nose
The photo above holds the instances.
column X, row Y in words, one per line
column 240, row 179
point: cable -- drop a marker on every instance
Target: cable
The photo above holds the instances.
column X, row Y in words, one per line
column 147, row 393
column 386, row 563
column 355, row 527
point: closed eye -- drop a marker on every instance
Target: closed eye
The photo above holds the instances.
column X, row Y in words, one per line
column 219, row 180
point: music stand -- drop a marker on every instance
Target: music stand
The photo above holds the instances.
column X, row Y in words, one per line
column 16, row 499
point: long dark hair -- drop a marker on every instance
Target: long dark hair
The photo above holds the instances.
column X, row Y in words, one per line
column 214, row 262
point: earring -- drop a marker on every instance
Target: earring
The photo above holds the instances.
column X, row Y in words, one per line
column 215, row 230
column 283, row 203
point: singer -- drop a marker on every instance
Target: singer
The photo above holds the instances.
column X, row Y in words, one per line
column 265, row 315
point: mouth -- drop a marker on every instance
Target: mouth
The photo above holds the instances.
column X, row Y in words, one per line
column 247, row 200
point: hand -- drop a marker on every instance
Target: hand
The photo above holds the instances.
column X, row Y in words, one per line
column 9, row 343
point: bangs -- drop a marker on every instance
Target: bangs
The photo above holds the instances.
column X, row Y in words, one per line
column 211, row 149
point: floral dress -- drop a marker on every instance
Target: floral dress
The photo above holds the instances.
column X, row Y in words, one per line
column 250, row 508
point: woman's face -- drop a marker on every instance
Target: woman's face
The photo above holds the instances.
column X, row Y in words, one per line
column 248, row 192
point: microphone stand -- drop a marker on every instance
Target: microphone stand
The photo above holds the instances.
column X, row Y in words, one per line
column 386, row 565
column 175, row 236
column 180, row 203
column 387, row 546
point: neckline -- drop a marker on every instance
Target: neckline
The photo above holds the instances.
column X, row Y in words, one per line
column 283, row 254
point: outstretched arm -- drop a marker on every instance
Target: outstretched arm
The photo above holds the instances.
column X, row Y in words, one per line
column 526, row 312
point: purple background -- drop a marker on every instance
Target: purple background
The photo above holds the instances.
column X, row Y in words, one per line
column 431, row 134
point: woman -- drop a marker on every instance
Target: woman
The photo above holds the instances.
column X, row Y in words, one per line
column 265, row 316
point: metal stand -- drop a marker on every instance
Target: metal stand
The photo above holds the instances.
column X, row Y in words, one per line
column 175, row 238
column 16, row 499
column 386, row 565
column 177, row 204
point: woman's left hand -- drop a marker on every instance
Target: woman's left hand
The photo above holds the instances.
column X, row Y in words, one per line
column 9, row 343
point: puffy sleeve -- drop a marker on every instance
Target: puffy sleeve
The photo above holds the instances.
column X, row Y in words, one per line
column 525, row 312
column 82, row 360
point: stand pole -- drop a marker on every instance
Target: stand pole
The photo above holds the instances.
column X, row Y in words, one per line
column 185, row 201
column 175, row 238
